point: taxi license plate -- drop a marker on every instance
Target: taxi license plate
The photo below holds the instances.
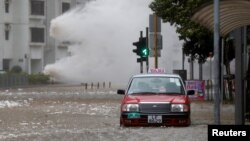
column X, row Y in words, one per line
column 154, row 119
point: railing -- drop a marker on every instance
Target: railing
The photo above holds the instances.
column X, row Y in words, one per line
column 98, row 85
column 13, row 80
column 228, row 94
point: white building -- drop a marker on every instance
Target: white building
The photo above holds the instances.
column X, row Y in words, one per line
column 24, row 33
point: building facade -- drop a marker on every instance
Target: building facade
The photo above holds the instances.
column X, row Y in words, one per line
column 24, row 33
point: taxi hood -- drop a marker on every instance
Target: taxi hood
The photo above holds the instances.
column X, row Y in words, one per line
column 156, row 98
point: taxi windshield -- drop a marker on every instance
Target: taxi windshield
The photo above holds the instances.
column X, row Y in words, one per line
column 156, row 85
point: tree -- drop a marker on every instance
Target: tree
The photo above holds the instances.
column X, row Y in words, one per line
column 16, row 69
column 198, row 41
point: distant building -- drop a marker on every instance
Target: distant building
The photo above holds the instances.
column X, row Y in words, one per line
column 24, row 33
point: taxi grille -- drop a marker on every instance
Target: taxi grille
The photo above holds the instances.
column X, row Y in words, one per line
column 154, row 107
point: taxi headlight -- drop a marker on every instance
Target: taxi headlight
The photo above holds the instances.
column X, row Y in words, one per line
column 130, row 107
column 179, row 108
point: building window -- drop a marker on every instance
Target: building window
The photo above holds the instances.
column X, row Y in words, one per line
column 7, row 35
column 65, row 7
column 6, row 64
column 7, row 31
column 37, row 35
column 37, row 7
column 7, row 4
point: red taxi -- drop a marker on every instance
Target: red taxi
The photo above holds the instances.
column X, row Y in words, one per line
column 155, row 100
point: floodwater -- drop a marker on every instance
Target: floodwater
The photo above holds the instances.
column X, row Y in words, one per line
column 71, row 113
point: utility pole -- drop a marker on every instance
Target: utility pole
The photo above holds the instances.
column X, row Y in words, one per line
column 183, row 59
column 217, row 66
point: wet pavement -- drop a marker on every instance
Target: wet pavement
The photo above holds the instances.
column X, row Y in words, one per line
column 71, row 113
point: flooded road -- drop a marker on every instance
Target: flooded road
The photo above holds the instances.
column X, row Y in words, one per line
column 71, row 113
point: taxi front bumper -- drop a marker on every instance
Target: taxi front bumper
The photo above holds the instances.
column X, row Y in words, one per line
column 171, row 119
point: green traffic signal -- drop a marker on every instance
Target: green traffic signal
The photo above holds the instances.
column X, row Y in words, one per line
column 141, row 48
column 144, row 52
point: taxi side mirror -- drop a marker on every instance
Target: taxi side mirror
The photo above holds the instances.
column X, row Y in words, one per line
column 121, row 91
column 190, row 92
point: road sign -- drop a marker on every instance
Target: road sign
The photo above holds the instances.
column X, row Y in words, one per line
column 151, row 40
column 154, row 28
column 152, row 22
column 152, row 53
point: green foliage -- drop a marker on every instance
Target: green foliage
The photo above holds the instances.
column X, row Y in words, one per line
column 198, row 41
column 39, row 78
column 16, row 69
column 199, row 48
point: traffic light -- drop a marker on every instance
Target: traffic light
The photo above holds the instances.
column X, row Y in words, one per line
column 141, row 48
column 137, row 44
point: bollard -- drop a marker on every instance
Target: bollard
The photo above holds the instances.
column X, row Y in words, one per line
column 86, row 86
column 103, row 84
column 98, row 85
column 92, row 85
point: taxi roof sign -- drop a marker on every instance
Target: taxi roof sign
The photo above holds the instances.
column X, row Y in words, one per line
column 156, row 70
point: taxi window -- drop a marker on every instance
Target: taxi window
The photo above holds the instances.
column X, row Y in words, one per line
column 168, row 85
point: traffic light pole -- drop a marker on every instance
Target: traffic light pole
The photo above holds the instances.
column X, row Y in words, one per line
column 147, row 66
column 155, row 41
column 141, row 63
column 142, row 50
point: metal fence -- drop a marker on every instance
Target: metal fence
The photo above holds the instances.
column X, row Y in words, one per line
column 13, row 80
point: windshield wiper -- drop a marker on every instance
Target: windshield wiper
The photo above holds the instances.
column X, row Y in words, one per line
column 144, row 93
column 171, row 93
